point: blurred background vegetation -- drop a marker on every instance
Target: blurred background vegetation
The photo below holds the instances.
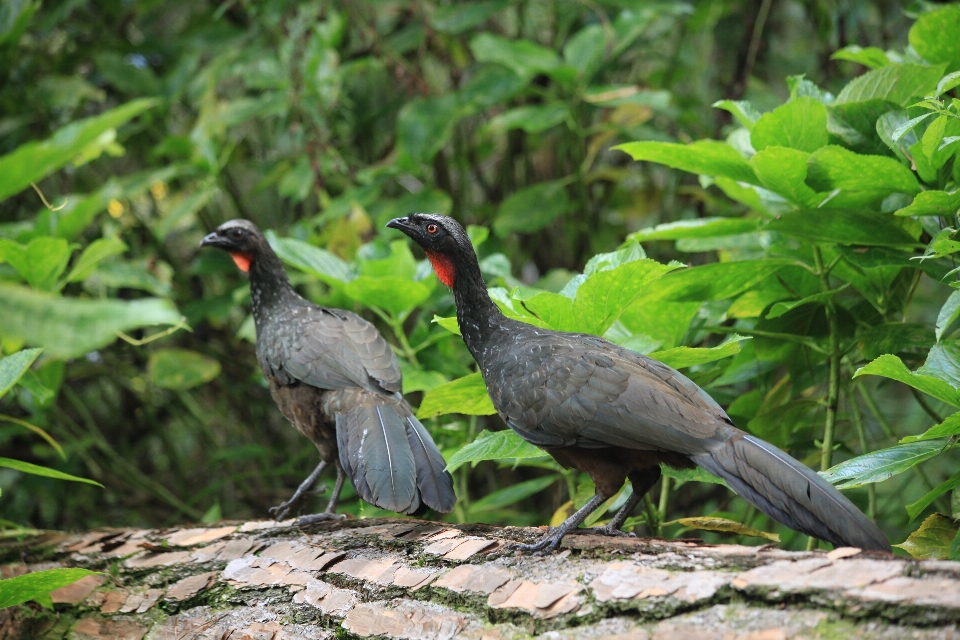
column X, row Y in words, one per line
column 322, row 120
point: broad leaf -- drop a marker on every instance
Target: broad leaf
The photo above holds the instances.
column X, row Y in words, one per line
column 68, row 327
column 916, row 508
column 698, row 228
column 781, row 308
column 932, row 540
column 466, row 395
column 697, row 474
column 715, row 281
column 682, row 357
column 899, row 83
column 891, row 366
column 457, row 18
column 875, row 177
column 878, row 466
column 943, row 362
column 512, row 494
column 180, row 369
column 40, row 262
column 936, row 36
column 395, row 295
column 532, row 119
column 32, row 161
column 96, row 251
column 784, row 171
column 892, row 338
column 32, row 586
column 708, row 157
column 37, row 470
column 799, row 124
column 523, row 57
column 932, row 203
column 14, row 366
column 318, row 262
column 498, row 445
column 745, row 113
column 872, row 57
column 532, row 209
column 723, row 525
column 842, row 226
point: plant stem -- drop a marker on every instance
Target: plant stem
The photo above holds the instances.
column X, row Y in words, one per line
column 653, row 518
column 664, row 498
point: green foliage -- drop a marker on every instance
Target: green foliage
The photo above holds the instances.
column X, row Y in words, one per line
column 34, row 586
column 794, row 214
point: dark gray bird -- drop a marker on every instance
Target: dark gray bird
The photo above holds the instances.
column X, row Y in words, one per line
column 336, row 380
column 615, row 414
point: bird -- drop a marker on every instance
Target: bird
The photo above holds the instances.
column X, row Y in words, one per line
column 337, row 381
column 615, row 414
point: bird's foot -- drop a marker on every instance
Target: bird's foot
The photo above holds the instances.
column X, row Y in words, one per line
column 547, row 544
column 280, row 511
column 605, row 530
column 318, row 517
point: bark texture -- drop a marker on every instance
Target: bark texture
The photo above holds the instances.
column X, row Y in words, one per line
column 420, row 580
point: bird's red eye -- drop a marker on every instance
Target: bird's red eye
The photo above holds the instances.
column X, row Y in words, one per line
column 431, row 228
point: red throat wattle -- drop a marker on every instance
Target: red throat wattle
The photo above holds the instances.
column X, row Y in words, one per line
column 242, row 260
column 443, row 265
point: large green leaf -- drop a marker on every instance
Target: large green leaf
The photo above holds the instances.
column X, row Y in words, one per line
column 498, row 445
column 916, row 508
column 899, row 83
column 878, row 466
column 872, row 57
column 745, row 113
column 513, row 494
column 943, row 362
column 425, row 125
column 697, row 228
column 708, row 157
column 894, row 337
column 32, row 161
column 14, row 366
column 842, row 226
column 40, row 262
column 318, row 262
column 68, row 327
column 936, row 36
column 932, row 203
column 715, row 281
column 457, row 18
column 396, row 295
column 530, row 118
column 682, row 357
column 932, row 540
column 784, row 171
column 781, row 308
column 37, row 470
column 890, row 366
column 31, row 586
column 799, row 124
column 532, row 208
column 466, row 395
column 525, row 58
column 875, row 177
column 98, row 250
column 181, row 369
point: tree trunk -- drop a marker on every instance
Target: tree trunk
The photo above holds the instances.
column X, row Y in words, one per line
column 421, row 580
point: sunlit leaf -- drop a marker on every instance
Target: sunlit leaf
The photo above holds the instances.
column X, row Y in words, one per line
column 891, row 366
column 932, row 540
column 698, row 228
column 682, row 357
column 98, row 250
column 936, row 36
column 14, row 366
column 899, row 83
column 466, row 395
column 318, row 262
column 395, row 295
column 31, row 586
column 878, row 466
column 696, row 474
column 708, row 157
column 498, row 445
column 40, row 262
column 799, row 124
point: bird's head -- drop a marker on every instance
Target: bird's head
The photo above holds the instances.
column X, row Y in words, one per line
column 441, row 237
column 241, row 239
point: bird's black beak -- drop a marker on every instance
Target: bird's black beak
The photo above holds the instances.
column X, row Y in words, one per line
column 212, row 240
column 399, row 223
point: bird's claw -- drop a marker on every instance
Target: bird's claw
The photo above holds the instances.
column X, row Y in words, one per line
column 318, row 517
column 281, row 510
column 605, row 530
column 547, row 544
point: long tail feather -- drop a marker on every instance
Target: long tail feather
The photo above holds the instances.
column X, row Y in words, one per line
column 434, row 482
column 790, row 492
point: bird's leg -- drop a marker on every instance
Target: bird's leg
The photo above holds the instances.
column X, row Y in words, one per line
column 279, row 511
column 330, row 512
column 552, row 540
column 641, row 482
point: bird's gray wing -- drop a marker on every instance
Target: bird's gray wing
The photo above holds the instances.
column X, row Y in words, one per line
column 590, row 392
column 329, row 349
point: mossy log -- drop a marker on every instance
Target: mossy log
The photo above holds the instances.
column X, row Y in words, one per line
column 421, row 580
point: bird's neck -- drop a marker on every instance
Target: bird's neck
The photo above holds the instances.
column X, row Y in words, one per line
column 269, row 287
column 478, row 316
